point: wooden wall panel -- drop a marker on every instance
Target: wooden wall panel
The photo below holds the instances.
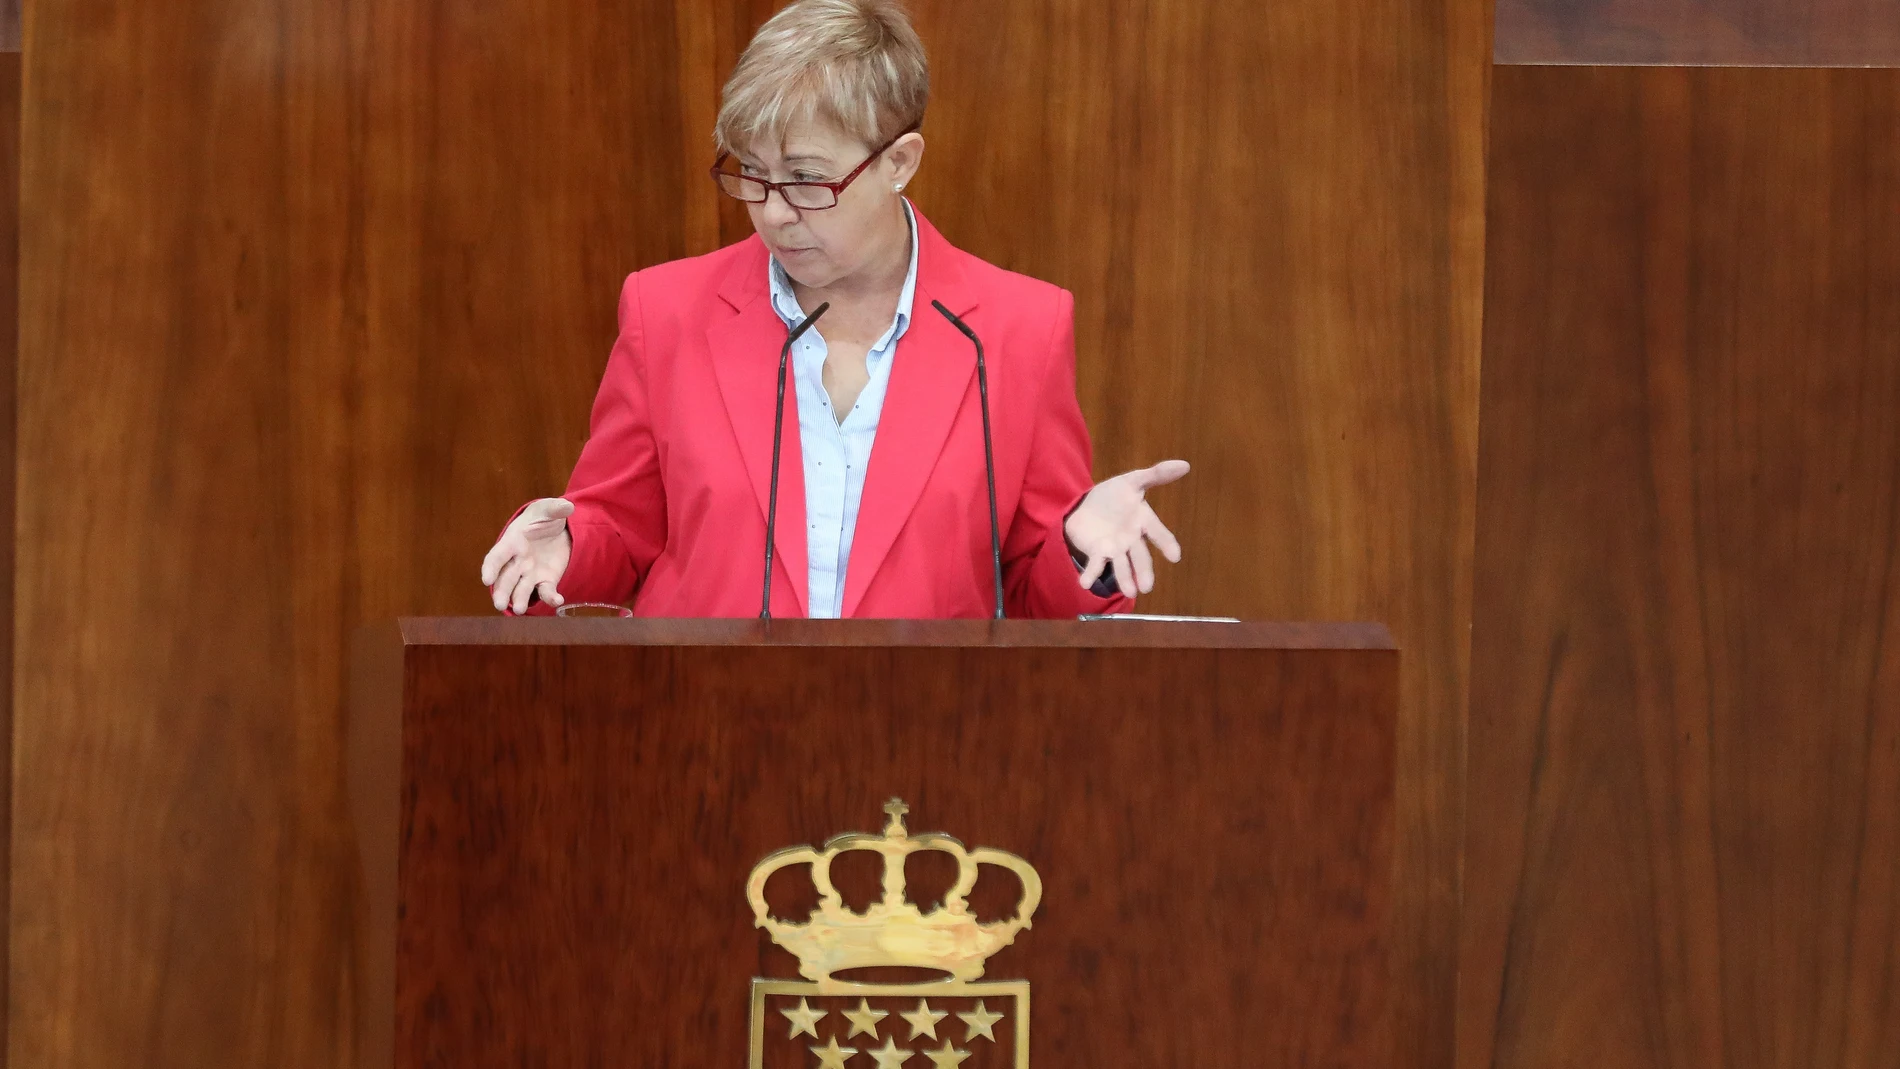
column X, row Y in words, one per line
column 1270, row 216
column 9, row 366
column 319, row 291
column 316, row 293
column 1846, row 33
column 1684, row 819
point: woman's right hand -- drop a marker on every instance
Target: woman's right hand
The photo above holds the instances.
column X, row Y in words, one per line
column 530, row 556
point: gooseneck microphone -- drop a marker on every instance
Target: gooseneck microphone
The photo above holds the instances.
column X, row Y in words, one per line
column 778, row 431
column 989, row 450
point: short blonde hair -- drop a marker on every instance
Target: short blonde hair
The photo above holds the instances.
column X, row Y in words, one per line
column 855, row 63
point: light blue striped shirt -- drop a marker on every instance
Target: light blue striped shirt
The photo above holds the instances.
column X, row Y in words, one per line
column 837, row 453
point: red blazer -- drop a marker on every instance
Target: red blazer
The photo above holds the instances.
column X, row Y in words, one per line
column 670, row 492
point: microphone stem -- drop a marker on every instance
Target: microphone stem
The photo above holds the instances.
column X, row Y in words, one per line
column 778, row 433
column 989, row 470
column 989, row 451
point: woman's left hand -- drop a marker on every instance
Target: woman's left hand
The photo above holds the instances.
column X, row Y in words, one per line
column 1113, row 526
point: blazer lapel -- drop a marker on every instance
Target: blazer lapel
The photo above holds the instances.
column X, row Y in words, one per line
column 933, row 372
column 745, row 348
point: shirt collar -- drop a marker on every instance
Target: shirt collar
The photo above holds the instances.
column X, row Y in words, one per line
column 785, row 303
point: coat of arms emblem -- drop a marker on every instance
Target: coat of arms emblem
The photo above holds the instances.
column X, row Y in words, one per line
column 831, row 1021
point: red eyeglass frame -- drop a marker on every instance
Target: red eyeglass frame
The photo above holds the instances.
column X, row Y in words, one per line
column 837, row 188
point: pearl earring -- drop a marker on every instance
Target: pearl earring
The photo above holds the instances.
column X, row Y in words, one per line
column 899, row 187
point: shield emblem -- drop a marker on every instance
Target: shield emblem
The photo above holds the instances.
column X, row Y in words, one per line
column 828, row 1021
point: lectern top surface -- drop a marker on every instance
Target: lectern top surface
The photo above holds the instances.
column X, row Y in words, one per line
column 552, row 631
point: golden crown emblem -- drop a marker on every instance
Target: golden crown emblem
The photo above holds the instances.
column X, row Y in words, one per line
column 893, row 931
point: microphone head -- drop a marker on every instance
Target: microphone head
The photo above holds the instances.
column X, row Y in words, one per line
column 805, row 324
column 958, row 323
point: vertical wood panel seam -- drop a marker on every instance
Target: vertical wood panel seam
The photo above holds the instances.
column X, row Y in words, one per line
column 12, row 74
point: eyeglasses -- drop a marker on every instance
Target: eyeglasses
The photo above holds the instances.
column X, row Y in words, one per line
column 805, row 196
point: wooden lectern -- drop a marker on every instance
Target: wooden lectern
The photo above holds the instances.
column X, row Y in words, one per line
column 557, row 820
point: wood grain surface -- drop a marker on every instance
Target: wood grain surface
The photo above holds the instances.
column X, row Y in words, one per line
column 578, row 822
column 1684, row 818
column 1271, row 215
column 1848, row 33
column 9, row 369
column 1119, row 633
column 10, row 28
column 316, row 293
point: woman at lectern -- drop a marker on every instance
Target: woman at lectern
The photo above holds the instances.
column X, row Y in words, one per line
column 883, row 505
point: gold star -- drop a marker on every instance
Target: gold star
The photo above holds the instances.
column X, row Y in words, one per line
column 923, row 1020
column 832, row 1056
column 804, row 1019
column 980, row 1021
column 864, row 1019
column 946, row 1056
column 891, row 1056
